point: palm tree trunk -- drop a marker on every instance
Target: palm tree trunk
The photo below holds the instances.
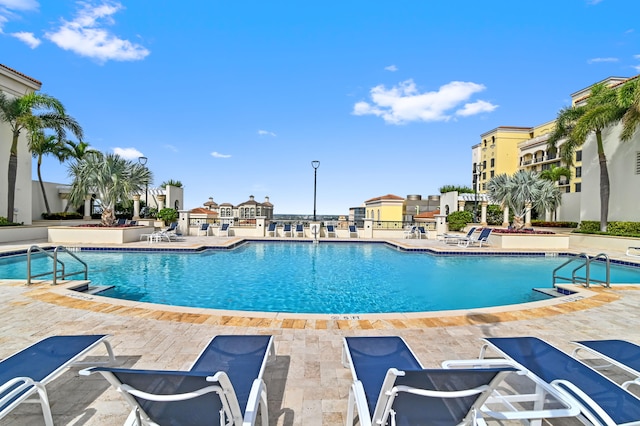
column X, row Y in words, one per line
column 11, row 176
column 44, row 193
column 604, row 184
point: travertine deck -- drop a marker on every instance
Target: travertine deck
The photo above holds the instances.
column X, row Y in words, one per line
column 307, row 384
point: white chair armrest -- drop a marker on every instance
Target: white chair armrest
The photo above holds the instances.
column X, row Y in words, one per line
column 257, row 395
column 588, row 407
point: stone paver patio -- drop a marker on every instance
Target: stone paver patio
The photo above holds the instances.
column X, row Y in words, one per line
column 307, row 384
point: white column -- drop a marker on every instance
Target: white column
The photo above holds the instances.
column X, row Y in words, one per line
column 527, row 217
column 87, row 207
column 505, row 217
column 136, row 207
column 483, row 215
column 441, row 224
column 161, row 200
column 368, row 228
column 461, row 205
column 183, row 221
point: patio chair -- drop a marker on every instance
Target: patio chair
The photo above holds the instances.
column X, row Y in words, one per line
column 121, row 221
column 483, row 238
column 286, row 229
column 204, row 227
column 26, row 373
column 224, row 386
column 601, row 400
column 330, row 231
column 421, row 232
column 622, row 354
column 299, row 230
column 133, row 222
column 353, row 231
column 633, row 251
column 410, row 232
column 223, row 231
column 454, row 238
column 391, row 387
column 272, row 229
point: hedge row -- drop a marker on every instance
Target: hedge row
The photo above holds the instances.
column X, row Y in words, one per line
column 61, row 216
column 621, row 229
column 544, row 224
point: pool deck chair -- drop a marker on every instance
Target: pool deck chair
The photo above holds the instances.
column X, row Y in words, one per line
column 223, row 231
column 601, row 400
column 622, row 354
column 410, row 232
column 204, row 227
column 454, row 238
column 330, row 231
column 286, row 229
column 299, row 230
column 390, row 386
column 26, row 373
column 224, row 386
column 421, row 232
column 353, row 231
column 483, row 238
column 633, row 251
column 272, row 229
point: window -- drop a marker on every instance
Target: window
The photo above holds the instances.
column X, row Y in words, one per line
column 579, row 155
column 638, row 162
column 492, row 173
column 484, row 164
column 578, row 187
column 484, row 176
column 484, row 186
column 493, row 162
column 578, row 172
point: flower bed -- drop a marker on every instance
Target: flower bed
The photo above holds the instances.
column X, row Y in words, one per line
column 527, row 231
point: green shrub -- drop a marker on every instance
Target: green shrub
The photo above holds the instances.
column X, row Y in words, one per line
column 620, row 229
column 555, row 224
column 62, row 216
column 5, row 222
column 168, row 215
column 458, row 220
column 589, row 226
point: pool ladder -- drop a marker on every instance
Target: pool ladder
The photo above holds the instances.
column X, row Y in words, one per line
column 62, row 272
column 584, row 262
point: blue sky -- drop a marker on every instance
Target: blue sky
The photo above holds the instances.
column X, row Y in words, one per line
column 236, row 98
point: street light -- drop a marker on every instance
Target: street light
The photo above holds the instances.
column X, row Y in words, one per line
column 477, row 170
column 315, row 164
column 143, row 161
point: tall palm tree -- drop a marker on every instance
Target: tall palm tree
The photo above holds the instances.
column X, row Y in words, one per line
column 629, row 99
column 112, row 178
column 523, row 191
column 554, row 174
column 33, row 110
column 40, row 146
column 575, row 124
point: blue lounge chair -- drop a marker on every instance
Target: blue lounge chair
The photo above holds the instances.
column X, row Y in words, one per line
column 391, row 387
column 224, row 386
column 286, row 229
column 272, row 229
column 27, row 372
column 454, row 238
column 353, row 231
column 601, row 401
column 331, row 231
column 299, row 230
column 224, row 230
column 410, row 232
column 421, row 232
column 483, row 238
column 121, row 221
column 204, row 227
column 622, row 354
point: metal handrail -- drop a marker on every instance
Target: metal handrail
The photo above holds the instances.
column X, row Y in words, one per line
column 586, row 279
column 54, row 257
column 571, row 260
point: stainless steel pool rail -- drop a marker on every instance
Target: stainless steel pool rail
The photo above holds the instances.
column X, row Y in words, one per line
column 63, row 274
column 585, row 262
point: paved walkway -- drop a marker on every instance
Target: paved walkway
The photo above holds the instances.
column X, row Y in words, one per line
column 307, row 384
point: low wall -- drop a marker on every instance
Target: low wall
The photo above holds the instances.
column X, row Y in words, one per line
column 10, row 234
column 529, row 241
column 603, row 242
column 86, row 235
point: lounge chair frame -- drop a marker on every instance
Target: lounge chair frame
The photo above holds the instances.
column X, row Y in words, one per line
column 454, row 238
column 611, row 351
column 299, row 231
column 330, row 231
column 482, row 238
column 21, row 388
column 353, row 231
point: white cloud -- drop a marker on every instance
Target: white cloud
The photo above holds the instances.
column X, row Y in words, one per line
column 20, row 4
column 86, row 36
column 474, row 108
column 128, row 153
column 215, row 154
column 266, row 133
column 596, row 60
column 403, row 103
column 27, row 38
column 636, row 56
column 391, row 68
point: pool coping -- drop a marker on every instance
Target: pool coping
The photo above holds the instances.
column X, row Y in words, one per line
column 581, row 298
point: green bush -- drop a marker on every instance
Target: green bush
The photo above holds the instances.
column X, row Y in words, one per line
column 62, row 216
column 458, row 220
column 5, row 222
column 620, row 229
column 555, row 224
column 168, row 215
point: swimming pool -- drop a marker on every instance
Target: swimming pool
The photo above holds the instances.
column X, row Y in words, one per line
column 319, row 278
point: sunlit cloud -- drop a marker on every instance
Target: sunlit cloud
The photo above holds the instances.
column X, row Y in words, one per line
column 27, row 38
column 266, row 133
column 391, row 68
column 86, row 35
column 128, row 153
column 597, row 60
column 404, row 103
column 8, row 9
column 216, row 154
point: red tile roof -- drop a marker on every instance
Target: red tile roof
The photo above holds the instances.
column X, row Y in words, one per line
column 385, row 197
column 21, row 74
column 200, row 210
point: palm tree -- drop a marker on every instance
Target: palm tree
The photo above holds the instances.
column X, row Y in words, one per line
column 523, row 191
column 41, row 145
column 171, row 182
column 554, row 174
column 629, row 99
column 575, row 124
column 112, row 178
column 19, row 114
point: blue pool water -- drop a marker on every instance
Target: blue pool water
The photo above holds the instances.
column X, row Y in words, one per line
column 323, row 278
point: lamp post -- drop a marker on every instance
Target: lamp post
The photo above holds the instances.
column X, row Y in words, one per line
column 143, row 161
column 315, row 164
column 476, row 181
